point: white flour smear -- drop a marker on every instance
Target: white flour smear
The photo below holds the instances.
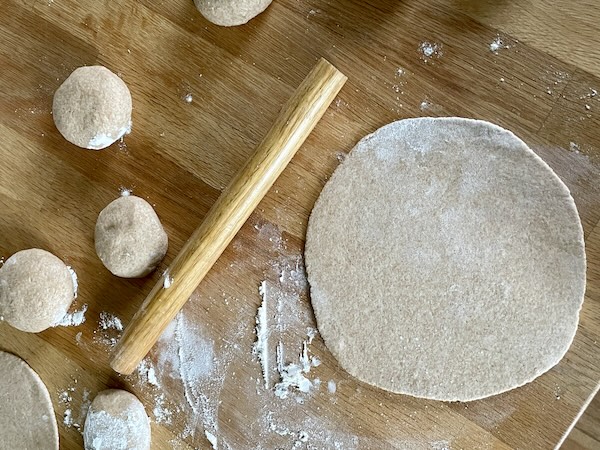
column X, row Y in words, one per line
column 73, row 319
column 261, row 347
column 186, row 354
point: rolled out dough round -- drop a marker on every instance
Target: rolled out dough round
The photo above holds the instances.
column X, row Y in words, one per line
column 129, row 238
column 92, row 108
column 36, row 290
column 116, row 420
column 445, row 261
column 27, row 419
column 230, row 13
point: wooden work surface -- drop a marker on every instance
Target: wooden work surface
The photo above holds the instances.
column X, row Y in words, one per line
column 180, row 155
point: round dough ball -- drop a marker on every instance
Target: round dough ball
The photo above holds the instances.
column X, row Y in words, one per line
column 27, row 419
column 116, row 420
column 130, row 239
column 445, row 261
column 230, row 13
column 36, row 290
column 92, row 108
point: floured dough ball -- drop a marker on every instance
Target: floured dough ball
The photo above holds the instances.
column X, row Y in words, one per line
column 230, row 13
column 116, row 420
column 92, row 108
column 130, row 239
column 36, row 290
column 27, row 419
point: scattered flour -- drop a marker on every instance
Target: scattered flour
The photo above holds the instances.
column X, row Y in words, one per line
column 76, row 406
column 161, row 413
column 109, row 321
column 68, row 418
column 261, row 347
column 109, row 330
column 147, row 373
column 75, row 318
column 212, row 439
column 430, row 50
column 293, row 375
column 496, row 44
column 75, row 282
column 331, row 386
column 125, row 192
column 167, row 280
column 440, row 445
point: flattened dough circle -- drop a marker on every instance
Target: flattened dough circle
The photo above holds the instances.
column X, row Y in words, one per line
column 27, row 419
column 445, row 261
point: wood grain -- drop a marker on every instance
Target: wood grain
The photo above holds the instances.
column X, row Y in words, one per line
column 586, row 433
column 181, row 155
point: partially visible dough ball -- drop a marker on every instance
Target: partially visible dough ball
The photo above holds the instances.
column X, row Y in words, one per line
column 230, row 13
column 36, row 290
column 92, row 108
column 116, row 420
column 27, row 419
column 130, row 240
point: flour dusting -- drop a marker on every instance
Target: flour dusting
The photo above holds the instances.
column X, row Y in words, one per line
column 430, row 51
column 109, row 321
column 76, row 405
column 118, row 432
column 109, row 330
column 261, row 347
column 73, row 319
column 125, row 192
column 75, row 282
column 167, row 280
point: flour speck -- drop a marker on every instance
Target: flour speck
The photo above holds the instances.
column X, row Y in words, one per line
column 430, row 50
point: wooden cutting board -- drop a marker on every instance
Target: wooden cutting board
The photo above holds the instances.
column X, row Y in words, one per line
column 540, row 83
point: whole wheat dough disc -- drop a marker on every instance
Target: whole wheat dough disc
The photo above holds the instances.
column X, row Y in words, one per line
column 445, row 261
column 27, row 419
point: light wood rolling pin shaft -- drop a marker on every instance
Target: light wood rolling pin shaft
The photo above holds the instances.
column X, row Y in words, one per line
column 293, row 125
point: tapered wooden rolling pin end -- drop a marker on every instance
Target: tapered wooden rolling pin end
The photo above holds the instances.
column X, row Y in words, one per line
column 293, row 125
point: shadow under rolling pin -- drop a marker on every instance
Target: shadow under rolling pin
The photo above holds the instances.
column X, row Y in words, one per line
column 231, row 210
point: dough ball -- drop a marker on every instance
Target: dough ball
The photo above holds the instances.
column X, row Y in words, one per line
column 130, row 239
column 92, row 108
column 116, row 420
column 27, row 419
column 36, row 290
column 445, row 261
column 230, row 13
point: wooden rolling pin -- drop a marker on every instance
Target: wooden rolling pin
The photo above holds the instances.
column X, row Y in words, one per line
column 293, row 125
